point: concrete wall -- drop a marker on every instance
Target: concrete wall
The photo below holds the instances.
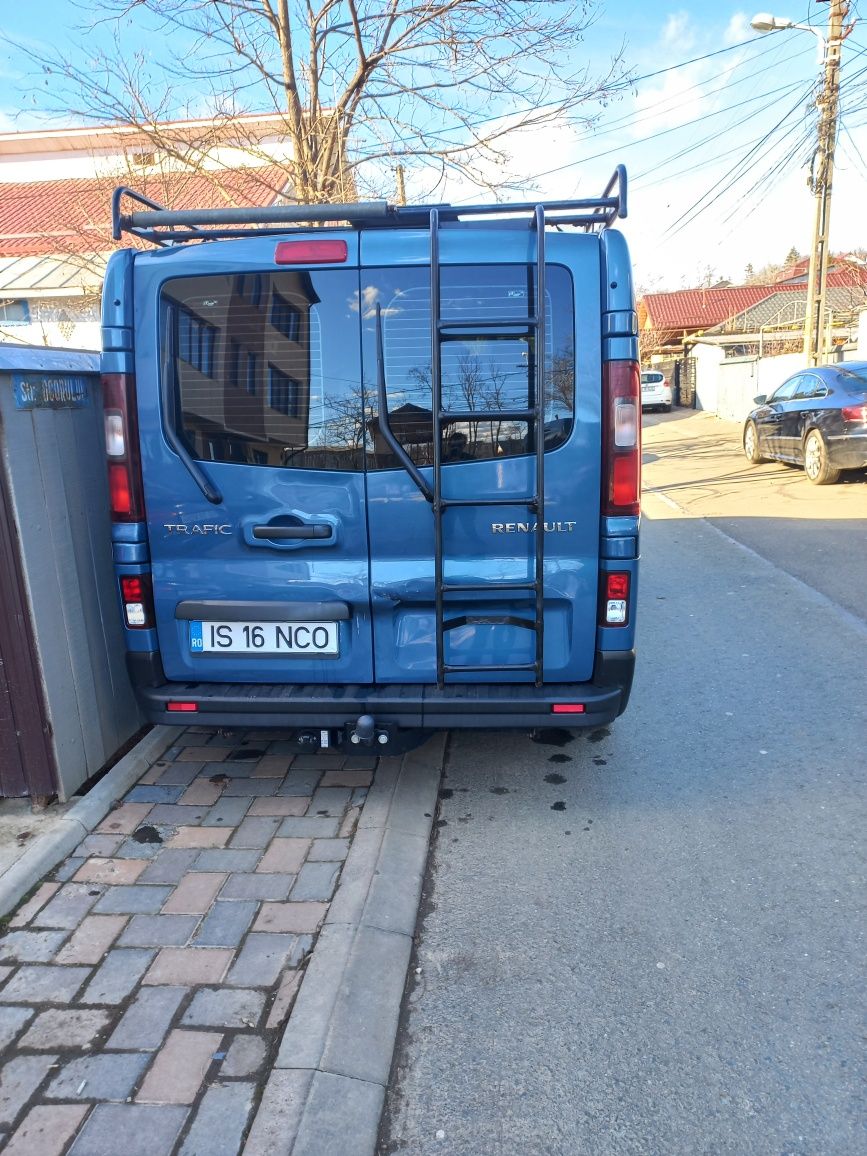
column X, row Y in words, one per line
column 51, row 451
column 727, row 387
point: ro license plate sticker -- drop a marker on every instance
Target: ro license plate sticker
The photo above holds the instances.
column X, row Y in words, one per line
column 292, row 639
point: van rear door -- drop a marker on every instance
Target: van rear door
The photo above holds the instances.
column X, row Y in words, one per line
column 485, row 274
column 249, row 388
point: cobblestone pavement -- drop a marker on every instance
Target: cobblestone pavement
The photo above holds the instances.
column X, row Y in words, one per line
column 144, row 987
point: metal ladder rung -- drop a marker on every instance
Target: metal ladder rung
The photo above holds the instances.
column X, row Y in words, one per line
column 489, row 323
column 460, row 587
column 526, row 500
column 449, row 668
column 478, row 415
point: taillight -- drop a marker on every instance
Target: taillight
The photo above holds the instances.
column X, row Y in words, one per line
column 311, row 252
column 614, row 600
column 136, row 595
column 122, row 448
column 621, row 434
column 855, row 413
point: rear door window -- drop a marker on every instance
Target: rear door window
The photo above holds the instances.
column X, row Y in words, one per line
column 485, row 371
column 265, row 367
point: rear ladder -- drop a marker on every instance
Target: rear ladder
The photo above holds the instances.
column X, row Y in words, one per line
column 534, row 415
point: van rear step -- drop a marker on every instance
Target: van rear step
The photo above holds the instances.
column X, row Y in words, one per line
column 496, row 706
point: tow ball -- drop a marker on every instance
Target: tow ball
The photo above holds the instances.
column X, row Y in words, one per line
column 366, row 734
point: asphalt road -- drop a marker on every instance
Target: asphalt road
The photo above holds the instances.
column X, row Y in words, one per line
column 649, row 940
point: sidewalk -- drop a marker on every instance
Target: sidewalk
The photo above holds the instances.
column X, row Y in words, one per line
column 144, row 988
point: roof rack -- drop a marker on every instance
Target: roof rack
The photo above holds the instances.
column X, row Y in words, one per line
column 153, row 222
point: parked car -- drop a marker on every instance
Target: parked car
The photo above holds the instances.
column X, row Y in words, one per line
column 816, row 419
column 655, row 391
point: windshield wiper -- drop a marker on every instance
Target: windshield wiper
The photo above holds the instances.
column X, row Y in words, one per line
column 384, row 425
column 168, row 394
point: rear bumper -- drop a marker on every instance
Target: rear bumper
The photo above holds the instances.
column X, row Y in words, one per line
column 849, row 452
column 410, row 706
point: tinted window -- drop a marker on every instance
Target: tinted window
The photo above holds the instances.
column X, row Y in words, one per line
column 652, row 379
column 266, row 367
column 855, row 380
column 480, row 371
column 785, row 391
column 809, row 386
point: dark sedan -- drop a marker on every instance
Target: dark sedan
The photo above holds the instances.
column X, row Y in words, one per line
column 816, row 419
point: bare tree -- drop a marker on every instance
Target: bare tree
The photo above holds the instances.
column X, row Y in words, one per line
column 359, row 86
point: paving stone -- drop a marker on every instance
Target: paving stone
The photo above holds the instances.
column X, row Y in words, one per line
column 39, row 984
column 178, row 815
column 31, row 946
column 228, row 812
column 131, row 1129
column 330, row 801
column 280, row 806
column 202, row 792
column 299, row 918
column 124, row 819
column 279, row 1114
column 328, row 851
column 147, row 1019
column 200, row 837
column 195, row 893
column 97, row 870
column 69, row 906
column 46, row 1130
column 316, row 881
column 261, row 959
column 19, row 1079
column 309, row 827
column 317, row 763
column 5, row 972
column 226, row 923
column 158, row 930
column 133, row 849
column 255, row 832
column 218, row 1127
column 12, row 1020
column 201, row 754
column 154, row 793
column 284, row 999
column 117, row 976
column 346, row 778
column 221, row 1007
column 170, row 866
column 247, row 752
column 96, row 844
column 135, row 899
column 272, row 766
column 245, row 1056
column 361, row 763
column 35, row 903
column 103, row 1076
column 67, row 868
column 179, row 1068
column 92, row 939
column 284, row 855
column 153, row 773
column 61, row 1028
column 229, row 769
column 350, row 819
column 251, row 788
column 226, row 859
column 257, row 886
column 300, row 783
column 179, row 774
column 189, row 965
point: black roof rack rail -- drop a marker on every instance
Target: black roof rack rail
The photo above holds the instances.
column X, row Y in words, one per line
column 161, row 226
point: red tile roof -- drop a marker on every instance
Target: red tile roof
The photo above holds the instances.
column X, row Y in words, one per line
column 703, row 308
column 74, row 216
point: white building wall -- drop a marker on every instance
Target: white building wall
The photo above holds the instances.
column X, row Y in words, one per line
column 63, row 322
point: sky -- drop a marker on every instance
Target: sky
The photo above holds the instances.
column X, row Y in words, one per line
column 715, row 132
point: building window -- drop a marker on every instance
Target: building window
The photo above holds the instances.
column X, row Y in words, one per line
column 14, row 312
column 196, row 340
column 250, row 378
column 284, row 392
column 285, row 317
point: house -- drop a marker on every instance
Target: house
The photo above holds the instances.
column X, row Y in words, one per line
column 55, row 207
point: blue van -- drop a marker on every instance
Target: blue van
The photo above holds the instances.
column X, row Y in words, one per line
column 374, row 470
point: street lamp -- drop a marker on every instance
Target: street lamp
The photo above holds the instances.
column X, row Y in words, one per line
column 823, row 169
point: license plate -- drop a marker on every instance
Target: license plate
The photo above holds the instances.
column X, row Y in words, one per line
column 291, row 639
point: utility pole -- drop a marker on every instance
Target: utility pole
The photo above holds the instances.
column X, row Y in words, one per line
column 823, row 173
column 401, row 187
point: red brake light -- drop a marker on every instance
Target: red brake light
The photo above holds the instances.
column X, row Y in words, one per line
column 122, row 448
column 311, row 252
column 621, row 428
column 855, row 413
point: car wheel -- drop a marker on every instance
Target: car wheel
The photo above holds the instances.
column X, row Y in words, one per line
column 667, row 408
column 751, row 444
column 816, row 465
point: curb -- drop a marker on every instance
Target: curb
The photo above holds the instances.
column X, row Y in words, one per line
column 49, row 849
column 326, row 1091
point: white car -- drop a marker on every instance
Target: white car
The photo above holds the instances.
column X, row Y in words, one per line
column 655, row 391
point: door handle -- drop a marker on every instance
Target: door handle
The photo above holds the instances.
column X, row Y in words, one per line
column 317, row 530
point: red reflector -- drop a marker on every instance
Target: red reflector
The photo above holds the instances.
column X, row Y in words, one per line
column 311, row 252
column 119, row 491
column 617, row 585
column 182, row 707
column 567, row 708
column 132, row 588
